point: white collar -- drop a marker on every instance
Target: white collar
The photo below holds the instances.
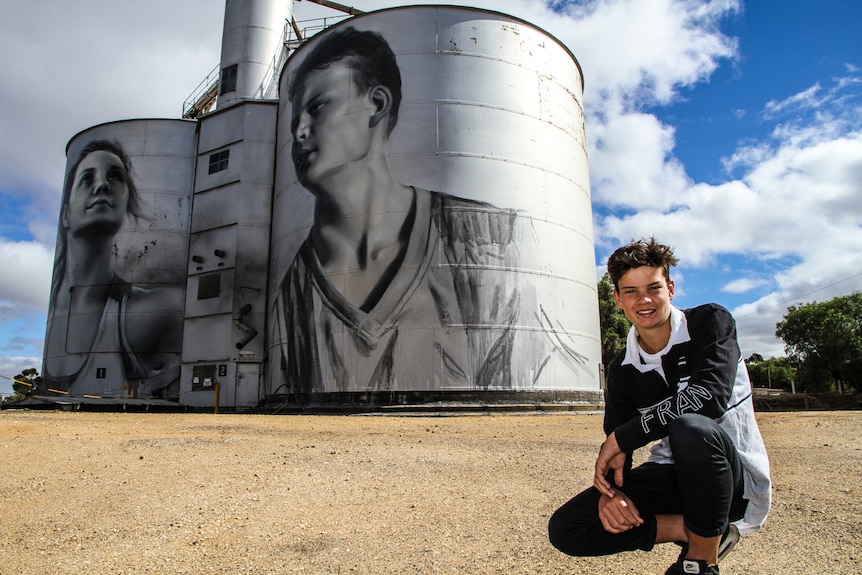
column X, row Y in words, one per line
column 678, row 334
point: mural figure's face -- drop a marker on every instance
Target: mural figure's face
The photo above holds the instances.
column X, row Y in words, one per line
column 99, row 197
column 330, row 122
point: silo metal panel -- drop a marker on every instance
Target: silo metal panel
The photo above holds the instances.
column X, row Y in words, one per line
column 258, row 124
column 489, row 83
column 259, row 165
column 215, row 208
column 539, row 192
column 490, row 132
column 255, row 259
column 116, row 308
column 222, row 304
column 497, row 36
column 221, row 127
column 213, row 333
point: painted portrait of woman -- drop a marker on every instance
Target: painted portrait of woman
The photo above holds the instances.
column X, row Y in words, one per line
column 106, row 336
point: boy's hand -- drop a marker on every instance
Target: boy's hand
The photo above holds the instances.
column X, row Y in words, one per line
column 611, row 457
column 618, row 513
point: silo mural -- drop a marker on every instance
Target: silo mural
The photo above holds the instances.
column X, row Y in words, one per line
column 116, row 309
column 432, row 228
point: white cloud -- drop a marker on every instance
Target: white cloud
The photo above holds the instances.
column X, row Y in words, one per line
column 26, row 277
column 808, row 282
column 804, row 99
column 796, row 198
column 790, row 197
column 645, row 50
column 631, row 163
column 755, row 328
column 743, row 285
column 636, row 53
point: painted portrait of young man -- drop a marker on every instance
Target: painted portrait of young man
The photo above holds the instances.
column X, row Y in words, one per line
column 395, row 286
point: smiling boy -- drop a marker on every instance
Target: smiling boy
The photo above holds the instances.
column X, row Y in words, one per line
column 681, row 383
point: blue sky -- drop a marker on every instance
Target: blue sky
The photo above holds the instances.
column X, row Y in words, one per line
column 781, row 52
column 731, row 130
column 795, row 52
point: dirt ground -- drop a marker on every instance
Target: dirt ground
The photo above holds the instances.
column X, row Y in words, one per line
column 260, row 494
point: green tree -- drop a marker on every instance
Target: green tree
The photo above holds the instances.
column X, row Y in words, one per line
column 775, row 372
column 824, row 340
column 613, row 322
column 25, row 384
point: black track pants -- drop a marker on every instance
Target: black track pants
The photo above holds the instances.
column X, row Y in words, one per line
column 704, row 484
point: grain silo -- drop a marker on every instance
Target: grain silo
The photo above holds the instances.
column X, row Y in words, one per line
column 432, row 226
column 115, row 317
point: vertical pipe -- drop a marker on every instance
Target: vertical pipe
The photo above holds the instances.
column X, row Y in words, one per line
column 252, row 43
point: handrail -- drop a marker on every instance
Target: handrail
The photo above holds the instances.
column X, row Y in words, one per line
column 200, row 94
column 304, row 29
column 295, row 34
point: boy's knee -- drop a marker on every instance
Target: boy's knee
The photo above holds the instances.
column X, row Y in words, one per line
column 557, row 533
column 688, row 432
column 566, row 531
column 696, row 439
column 565, row 540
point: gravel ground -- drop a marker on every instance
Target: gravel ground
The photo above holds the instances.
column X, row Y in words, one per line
column 179, row 493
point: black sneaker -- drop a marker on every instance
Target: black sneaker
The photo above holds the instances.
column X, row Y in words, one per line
column 728, row 542
column 692, row 567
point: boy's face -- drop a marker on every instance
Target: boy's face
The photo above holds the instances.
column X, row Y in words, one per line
column 645, row 295
column 330, row 123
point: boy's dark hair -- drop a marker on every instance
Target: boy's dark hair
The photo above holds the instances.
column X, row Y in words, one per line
column 640, row 253
column 367, row 54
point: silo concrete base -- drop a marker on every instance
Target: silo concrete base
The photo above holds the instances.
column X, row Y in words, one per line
column 434, row 402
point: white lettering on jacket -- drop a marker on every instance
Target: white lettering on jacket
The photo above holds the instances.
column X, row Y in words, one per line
column 689, row 400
